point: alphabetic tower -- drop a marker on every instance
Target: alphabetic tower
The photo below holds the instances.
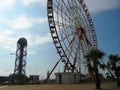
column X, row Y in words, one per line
column 20, row 62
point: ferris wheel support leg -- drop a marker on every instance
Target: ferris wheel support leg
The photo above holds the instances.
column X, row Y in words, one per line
column 73, row 67
column 108, row 69
column 52, row 71
column 66, row 66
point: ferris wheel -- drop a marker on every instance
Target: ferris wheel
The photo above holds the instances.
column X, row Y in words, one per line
column 72, row 31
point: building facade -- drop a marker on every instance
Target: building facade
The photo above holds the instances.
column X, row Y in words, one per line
column 68, row 78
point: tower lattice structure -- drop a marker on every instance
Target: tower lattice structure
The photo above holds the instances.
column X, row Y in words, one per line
column 21, row 53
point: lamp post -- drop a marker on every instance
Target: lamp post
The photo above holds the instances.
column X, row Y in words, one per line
column 12, row 54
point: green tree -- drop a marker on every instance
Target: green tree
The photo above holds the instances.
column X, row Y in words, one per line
column 112, row 64
column 93, row 58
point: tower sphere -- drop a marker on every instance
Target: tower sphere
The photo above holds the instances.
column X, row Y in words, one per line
column 22, row 42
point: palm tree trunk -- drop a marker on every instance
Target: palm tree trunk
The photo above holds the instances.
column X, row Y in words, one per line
column 118, row 81
column 97, row 76
column 117, row 77
column 97, row 80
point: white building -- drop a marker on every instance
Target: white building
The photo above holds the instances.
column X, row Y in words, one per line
column 34, row 79
column 68, row 78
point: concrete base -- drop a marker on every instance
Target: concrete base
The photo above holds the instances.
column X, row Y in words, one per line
column 67, row 78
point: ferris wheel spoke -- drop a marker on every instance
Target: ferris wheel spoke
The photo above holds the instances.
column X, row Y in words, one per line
column 68, row 46
column 73, row 5
column 60, row 24
column 71, row 49
column 71, row 8
column 68, row 8
column 84, row 46
column 86, row 39
column 79, row 60
column 90, row 23
column 70, row 43
column 82, row 35
column 74, row 8
column 80, row 54
column 67, row 36
column 83, row 18
column 75, row 57
column 62, row 12
column 62, row 17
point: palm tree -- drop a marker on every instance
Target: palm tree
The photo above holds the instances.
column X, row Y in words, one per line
column 112, row 64
column 93, row 58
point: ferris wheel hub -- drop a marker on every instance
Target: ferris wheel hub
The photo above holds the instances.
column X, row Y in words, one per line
column 78, row 23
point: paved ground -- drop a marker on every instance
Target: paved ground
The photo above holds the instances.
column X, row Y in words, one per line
column 105, row 86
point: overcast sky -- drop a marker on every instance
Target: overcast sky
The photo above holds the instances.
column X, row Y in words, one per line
column 28, row 18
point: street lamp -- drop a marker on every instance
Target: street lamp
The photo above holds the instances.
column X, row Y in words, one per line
column 12, row 54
